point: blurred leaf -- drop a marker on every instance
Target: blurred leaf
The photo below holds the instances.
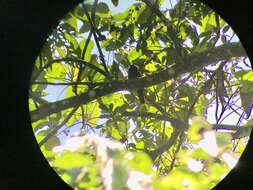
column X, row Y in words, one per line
column 223, row 139
column 201, row 106
column 72, row 21
column 197, row 124
column 200, row 154
column 72, row 40
column 244, row 131
column 141, row 162
column 163, row 183
column 246, row 90
column 115, row 2
column 119, row 176
column 85, row 26
column 134, row 54
column 102, row 8
column 208, row 23
column 140, row 145
column 144, row 16
column 70, row 160
column 52, row 142
column 61, row 52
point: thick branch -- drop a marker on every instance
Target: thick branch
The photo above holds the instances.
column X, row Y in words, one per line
column 90, row 84
column 226, row 127
column 193, row 63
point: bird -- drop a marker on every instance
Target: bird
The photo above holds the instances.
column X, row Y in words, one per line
column 133, row 73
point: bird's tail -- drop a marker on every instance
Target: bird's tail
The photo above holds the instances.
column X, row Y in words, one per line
column 141, row 96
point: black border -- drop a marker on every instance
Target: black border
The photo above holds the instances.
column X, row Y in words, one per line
column 23, row 28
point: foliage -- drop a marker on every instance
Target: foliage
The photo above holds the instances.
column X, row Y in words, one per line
column 193, row 71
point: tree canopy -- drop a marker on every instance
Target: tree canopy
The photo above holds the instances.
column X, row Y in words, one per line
column 193, row 69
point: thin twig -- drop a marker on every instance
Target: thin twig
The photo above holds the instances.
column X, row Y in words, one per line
column 56, row 128
column 94, row 31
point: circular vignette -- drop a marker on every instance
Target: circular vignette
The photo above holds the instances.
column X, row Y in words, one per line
column 24, row 27
column 73, row 74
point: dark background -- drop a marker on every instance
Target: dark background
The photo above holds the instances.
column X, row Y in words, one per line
column 24, row 25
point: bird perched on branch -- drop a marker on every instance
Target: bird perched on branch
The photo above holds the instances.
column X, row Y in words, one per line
column 133, row 73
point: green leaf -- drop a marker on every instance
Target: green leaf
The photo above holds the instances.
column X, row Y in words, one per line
column 208, row 23
column 247, row 100
column 201, row 106
column 144, row 16
column 72, row 40
column 187, row 91
column 116, row 100
column 40, row 125
column 119, row 176
column 140, row 145
column 200, row 154
column 115, row 134
column 115, row 70
column 115, row 154
column 40, row 136
column 134, row 54
column 72, row 21
column 111, row 44
column 243, row 131
column 89, row 49
column 223, row 139
column 246, row 91
column 58, row 71
column 164, row 183
column 124, row 35
column 115, row 2
column 141, row 162
column 52, row 142
column 92, row 113
column 69, row 160
column 197, row 123
column 102, row 8
column 61, row 52
column 85, row 26
column 120, row 17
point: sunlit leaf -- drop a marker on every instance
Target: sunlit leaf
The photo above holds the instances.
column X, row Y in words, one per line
column 52, row 142
column 141, row 162
column 72, row 21
column 197, row 123
column 72, row 40
column 70, row 160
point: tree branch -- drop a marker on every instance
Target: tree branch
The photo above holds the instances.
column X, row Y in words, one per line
column 94, row 31
column 166, row 146
column 194, row 62
column 90, row 84
column 55, row 129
